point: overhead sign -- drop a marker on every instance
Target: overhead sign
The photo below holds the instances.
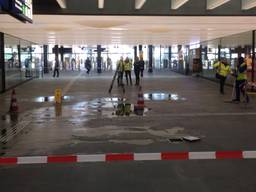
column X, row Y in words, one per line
column 20, row 9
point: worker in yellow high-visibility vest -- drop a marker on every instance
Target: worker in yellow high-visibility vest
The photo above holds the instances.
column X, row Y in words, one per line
column 241, row 77
column 223, row 69
column 128, row 69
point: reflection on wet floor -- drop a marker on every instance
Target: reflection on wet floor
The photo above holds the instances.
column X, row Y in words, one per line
column 51, row 99
column 163, row 97
column 11, row 125
column 116, row 107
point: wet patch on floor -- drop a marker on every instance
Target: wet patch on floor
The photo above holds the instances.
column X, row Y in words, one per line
column 112, row 107
column 125, row 134
column 11, row 126
column 160, row 96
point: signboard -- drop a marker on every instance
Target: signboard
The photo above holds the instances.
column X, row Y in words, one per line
column 20, row 9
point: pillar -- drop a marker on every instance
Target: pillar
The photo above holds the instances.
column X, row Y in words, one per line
column 253, row 54
column 150, row 58
column 180, row 58
column 239, row 51
column 2, row 66
column 135, row 52
column 56, row 48
column 45, row 59
column 219, row 50
column 187, row 70
column 99, row 58
column 140, row 51
column 62, row 56
column 19, row 55
column 170, row 56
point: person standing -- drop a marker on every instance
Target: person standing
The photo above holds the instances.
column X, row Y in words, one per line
column 137, row 70
column 109, row 64
column 88, row 65
column 56, row 71
column 142, row 66
column 241, row 78
column 128, row 69
column 223, row 69
column 120, row 71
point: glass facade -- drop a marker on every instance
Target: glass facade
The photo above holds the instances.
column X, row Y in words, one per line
column 254, row 56
column 231, row 47
column 1, row 61
column 22, row 61
column 74, row 60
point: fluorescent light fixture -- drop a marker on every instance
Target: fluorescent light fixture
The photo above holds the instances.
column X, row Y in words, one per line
column 62, row 3
column 176, row 4
column 248, row 4
column 212, row 4
column 100, row 4
column 139, row 4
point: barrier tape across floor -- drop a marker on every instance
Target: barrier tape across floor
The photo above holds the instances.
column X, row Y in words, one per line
column 215, row 155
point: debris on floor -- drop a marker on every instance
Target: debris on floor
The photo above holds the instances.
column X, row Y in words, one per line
column 191, row 138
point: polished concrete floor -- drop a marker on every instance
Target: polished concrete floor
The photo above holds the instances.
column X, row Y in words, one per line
column 86, row 123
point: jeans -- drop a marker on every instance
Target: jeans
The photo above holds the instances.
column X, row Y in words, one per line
column 239, row 88
column 137, row 76
column 128, row 75
column 56, row 72
column 222, row 83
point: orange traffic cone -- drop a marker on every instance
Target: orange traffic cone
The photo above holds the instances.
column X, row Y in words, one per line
column 14, row 106
column 140, row 102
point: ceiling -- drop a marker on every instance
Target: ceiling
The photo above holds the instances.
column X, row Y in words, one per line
column 130, row 30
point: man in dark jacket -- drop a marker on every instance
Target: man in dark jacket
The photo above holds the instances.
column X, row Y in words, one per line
column 137, row 70
column 88, row 65
column 142, row 64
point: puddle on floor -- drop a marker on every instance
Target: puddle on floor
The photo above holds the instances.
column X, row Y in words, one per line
column 111, row 107
column 158, row 96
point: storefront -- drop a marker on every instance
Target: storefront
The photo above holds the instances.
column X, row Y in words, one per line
column 20, row 61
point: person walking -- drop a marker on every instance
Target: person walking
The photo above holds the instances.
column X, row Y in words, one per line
column 142, row 66
column 56, row 71
column 88, row 65
column 128, row 69
column 120, row 71
column 241, row 78
column 109, row 64
column 137, row 70
column 223, row 69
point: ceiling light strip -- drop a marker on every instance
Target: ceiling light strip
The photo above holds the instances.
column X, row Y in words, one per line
column 176, row 4
column 101, row 4
column 139, row 4
column 212, row 4
column 248, row 4
column 62, row 3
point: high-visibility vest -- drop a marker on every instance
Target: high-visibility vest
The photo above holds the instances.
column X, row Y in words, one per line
column 120, row 66
column 127, row 66
column 223, row 70
column 243, row 75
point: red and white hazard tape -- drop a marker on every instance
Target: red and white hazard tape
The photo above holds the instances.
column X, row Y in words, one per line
column 129, row 157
